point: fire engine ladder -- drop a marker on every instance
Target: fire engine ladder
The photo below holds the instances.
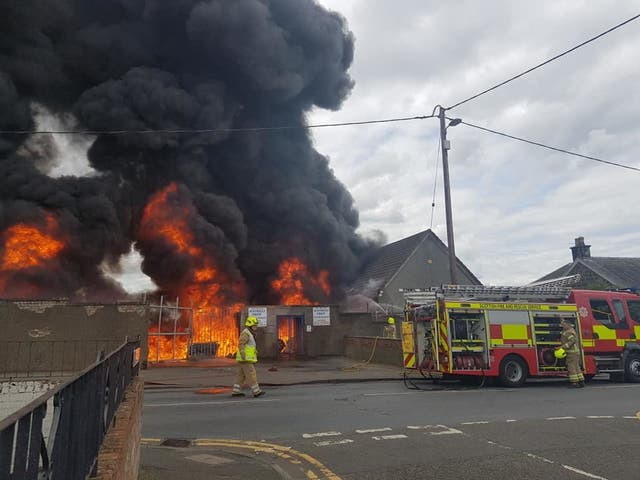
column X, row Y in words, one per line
column 502, row 293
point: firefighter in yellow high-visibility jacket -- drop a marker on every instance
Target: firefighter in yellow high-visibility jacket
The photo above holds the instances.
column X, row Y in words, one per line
column 570, row 345
column 247, row 357
column 390, row 328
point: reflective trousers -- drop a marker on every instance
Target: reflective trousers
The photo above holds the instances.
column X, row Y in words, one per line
column 246, row 376
column 573, row 368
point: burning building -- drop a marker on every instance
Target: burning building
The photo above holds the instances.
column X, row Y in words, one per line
column 171, row 99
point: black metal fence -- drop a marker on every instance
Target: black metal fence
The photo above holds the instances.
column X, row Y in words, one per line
column 83, row 409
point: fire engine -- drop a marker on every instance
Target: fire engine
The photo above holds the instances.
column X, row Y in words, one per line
column 511, row 333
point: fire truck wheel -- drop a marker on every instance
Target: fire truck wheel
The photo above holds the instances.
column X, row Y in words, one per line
column 632, row 368
column 513, row 371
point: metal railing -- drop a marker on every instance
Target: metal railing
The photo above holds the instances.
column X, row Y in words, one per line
column 83, row 410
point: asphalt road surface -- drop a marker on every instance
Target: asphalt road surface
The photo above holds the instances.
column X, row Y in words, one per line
column 381, row 430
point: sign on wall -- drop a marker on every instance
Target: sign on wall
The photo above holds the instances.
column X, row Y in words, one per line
column 260, row 313
column 321, row 316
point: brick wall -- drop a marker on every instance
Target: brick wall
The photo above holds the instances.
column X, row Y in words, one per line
column 387, row 350
column 119, row 457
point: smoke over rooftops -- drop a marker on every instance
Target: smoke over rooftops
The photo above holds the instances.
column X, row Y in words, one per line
column 254, row 198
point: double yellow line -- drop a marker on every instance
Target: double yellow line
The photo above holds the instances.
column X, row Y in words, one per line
column 313, row 469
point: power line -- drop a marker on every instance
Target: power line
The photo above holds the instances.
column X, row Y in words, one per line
column 544, row 63
column 209, row 130
column 561, row 150
column 435, row 183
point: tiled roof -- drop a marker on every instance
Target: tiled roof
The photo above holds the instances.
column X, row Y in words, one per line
column 386, row 261
column 619, row 271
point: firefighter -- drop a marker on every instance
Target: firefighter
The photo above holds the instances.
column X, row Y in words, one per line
column 569, row 343
column 390, row 328
column 246, row 357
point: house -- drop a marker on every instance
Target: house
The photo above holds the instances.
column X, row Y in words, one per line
column 418, row 261
column 598, row 273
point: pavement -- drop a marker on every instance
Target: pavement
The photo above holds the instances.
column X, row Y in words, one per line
column 170, row 458
column 220, row 372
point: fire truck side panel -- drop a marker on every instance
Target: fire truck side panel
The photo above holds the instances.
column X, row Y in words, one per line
column 609, row 328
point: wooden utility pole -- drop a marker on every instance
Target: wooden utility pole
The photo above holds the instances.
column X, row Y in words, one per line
column 447, row 196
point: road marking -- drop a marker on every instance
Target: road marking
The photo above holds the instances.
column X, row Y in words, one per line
column 511, row 420
column 582, row 472
column 638, row 415
column 311, row 475
column 560, row 418
column 209, row 459
column 444, row 430
column 536, row 457
column 326, row 443
column 150, row 441
column 278, row 450
column 388, row 394
column 633, row 418
column 374, row 430
column 600, row 416
column 390, row 437
column 320, row 434
column 474, row 423
column 230, row 402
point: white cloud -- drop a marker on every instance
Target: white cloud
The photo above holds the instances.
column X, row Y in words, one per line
column 517, row 208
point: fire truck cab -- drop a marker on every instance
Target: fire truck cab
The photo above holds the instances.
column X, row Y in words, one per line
column 511, row 333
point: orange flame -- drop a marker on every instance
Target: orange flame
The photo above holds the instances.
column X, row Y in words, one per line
column 290, row 285
column 214, row 320
column 27, row 246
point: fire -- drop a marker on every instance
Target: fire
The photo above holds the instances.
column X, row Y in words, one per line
column 27, row 246
column 287, row 334
column 293, row 281
column 214, row 319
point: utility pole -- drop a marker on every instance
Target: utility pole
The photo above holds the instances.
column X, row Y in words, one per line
column 447, row 194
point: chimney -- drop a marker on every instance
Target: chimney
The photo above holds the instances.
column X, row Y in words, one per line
column 580, row 250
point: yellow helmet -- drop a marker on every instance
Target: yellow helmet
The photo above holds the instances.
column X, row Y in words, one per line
column 251, row 321
column 560, row 353
column 391, row 321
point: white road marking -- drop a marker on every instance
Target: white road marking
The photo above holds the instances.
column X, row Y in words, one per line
column 230, row 402
column 374, row 430
column 447, row 431
column 388, row 394
column 582, row 472
column 390, row 437
column 332, row 442
column 633, row 418
column 600, row 416
column 511, row 420
column 560, row 418
column 443, row 429
column 536, row 457
column 320, row 434
column 474, row 423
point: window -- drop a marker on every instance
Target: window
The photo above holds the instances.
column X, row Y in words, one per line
column 622, row 317
column 634, row 310
column 601, row 312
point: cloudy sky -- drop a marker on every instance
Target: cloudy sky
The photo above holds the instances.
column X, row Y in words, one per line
column 516, row 208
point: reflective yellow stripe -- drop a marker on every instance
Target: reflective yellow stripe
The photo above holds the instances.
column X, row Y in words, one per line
column 512, row 306
column 496, row 341
column 636, row 331
column 409, row 362
column 588, row 343
column 621, row 342
column 407, row 337
column 515, row 332
column 604, row 333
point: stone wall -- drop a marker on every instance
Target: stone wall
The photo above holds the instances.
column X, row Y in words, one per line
column 53, row 338
column 375, row 349
column 119, row 457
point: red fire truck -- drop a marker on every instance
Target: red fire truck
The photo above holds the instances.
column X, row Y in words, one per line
column 510, row 333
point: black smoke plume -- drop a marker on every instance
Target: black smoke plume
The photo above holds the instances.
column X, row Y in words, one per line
column 258, row 197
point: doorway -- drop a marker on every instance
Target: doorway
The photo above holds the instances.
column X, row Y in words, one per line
column 290, row 336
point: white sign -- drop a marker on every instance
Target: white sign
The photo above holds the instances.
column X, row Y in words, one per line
column 260, row 313
column 321, row 316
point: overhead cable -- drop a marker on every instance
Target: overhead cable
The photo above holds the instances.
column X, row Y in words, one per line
column 544, row 63
column 209, row 130
column 561, row 150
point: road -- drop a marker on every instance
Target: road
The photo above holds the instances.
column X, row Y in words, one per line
column 382, row 430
